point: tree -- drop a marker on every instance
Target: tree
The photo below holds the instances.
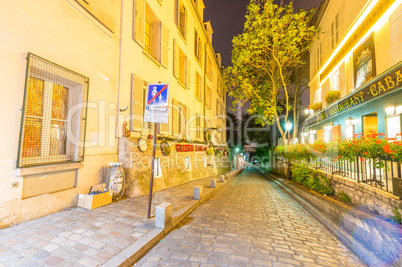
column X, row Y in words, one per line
column 265, row 56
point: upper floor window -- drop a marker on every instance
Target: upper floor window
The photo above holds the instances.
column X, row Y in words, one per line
column 197, row 46
column 198, row 85
column 335, row 32
column 319, row 56
column 182, row 20
column 53, row 119
column 318, row 95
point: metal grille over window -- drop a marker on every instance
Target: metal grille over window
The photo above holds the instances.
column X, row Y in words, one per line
column 54, row 115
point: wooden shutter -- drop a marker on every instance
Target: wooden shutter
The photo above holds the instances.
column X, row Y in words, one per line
column 139, row 22
column 342, row 80
column 176, row 62
column 164, row 127
column 395, row 29
column 187, row 120
column 174, row 116
column 164, row 46
column 136, row 103
column 336, row 132
column 188, row 81
column 176, row 12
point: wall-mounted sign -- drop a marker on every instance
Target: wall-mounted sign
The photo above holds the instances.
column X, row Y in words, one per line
column 390, row 81
column 142, row 145
column 189, row 148
column 165, row 148
column 364, row 62
column 156, row 114
column 158, row 95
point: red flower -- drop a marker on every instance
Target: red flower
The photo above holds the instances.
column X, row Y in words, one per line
column 361, row 159
column 335, row 160
column 378, row 141
column 365, row 153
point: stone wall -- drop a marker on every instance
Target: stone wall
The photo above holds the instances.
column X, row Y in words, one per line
column 174, row 170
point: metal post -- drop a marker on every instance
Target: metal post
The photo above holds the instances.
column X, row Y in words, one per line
column 152, row 172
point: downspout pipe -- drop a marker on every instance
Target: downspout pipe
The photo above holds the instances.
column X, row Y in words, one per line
column 120, row 74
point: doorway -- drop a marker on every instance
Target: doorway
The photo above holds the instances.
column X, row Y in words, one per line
column 370, row 123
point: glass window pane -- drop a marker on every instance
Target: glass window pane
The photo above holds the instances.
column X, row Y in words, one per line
column 393, row 126
column 34, row 101
column 59, row 102
column 32, row 136
column 58, row 132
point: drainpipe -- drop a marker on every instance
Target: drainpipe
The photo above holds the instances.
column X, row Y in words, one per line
column 205, row 82
column 120, row 75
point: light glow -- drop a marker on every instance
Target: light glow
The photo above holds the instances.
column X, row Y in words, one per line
column 390, row 110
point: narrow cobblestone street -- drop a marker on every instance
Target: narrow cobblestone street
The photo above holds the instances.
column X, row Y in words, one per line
column 250, row 222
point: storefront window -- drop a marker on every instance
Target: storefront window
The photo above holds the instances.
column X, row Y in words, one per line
column 393, row 126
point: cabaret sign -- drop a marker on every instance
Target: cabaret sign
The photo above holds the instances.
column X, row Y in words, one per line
column 378, row 88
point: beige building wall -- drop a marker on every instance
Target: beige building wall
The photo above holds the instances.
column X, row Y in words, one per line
column 62, row 32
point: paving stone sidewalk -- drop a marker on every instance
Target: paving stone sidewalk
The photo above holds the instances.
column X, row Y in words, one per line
column 250, row 222
column 79, row 237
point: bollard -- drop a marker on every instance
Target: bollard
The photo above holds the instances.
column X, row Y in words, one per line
column 198, row 192
column 163, row 217
column 227, row 176
column 213, row 183
column 221, row 178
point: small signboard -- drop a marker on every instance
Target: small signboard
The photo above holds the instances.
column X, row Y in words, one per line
column 157, row 95
column 156, row 114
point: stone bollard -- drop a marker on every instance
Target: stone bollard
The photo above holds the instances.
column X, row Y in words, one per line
column 221, row 178
column 213, row 183
column 198, row 192
column 227, row 176
column 163, row 218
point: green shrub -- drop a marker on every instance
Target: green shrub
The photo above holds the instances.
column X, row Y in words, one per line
column 344, row 197
column 311, row 178
column 397, row 216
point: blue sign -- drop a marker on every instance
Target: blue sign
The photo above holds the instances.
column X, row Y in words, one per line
column 157, row 95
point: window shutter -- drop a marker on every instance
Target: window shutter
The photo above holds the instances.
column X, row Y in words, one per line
column 395, row 22
column 164, row 46
column 342, row 80
column 136, row 103
column 139, row 25
column 187, row 130
column 188, row 82
column 336, row 133
column 174, row 116
column 176, row 64
column 176, row 12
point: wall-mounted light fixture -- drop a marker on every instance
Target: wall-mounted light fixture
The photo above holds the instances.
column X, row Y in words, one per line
column 398, row 109
column 288, row 126
column 307, row 111
column 349, row 121
column 390, row 109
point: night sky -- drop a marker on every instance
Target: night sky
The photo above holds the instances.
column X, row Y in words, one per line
column 228, row 17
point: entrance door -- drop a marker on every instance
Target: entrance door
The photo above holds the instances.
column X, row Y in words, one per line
column 370, row 123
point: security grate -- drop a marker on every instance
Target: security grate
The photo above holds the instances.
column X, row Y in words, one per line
column 54, row 114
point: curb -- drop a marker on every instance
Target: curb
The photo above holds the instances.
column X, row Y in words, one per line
column 134, row 252
column 366, row 255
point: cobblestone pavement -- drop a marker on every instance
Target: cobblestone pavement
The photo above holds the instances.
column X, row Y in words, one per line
column 250, row 222
column 79, row 237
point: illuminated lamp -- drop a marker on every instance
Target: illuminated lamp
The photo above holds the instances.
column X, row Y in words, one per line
column 390, row 109
column 399, row 109
column 349, row 121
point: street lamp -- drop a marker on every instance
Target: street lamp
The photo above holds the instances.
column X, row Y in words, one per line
column 237, row 150
column 288, row 127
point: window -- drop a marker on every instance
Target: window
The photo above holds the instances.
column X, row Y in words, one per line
column 319, row 57
column 198, row 85
column 148, row 34
column 180, row 65
column 152, row 34
column 327, row 134
column 208, row 97
column 209, row 70
column 181, row 119
column 335, row 81
column 53, row 119
column 335, row 32
column 349, row 132
column 188, row 163
column 157, row 168
column 197, row 47
column 394, row 126
column 182, row 20
column 318, row 95
column 364, row 62
column 198, row 126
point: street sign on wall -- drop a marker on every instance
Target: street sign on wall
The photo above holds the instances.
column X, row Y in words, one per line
column 156, row 114
column 158, row 95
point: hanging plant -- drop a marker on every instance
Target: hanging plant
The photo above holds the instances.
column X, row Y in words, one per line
column 333, row 96
column 316, row 106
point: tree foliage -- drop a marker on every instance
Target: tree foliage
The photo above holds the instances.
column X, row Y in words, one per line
column 265, row 56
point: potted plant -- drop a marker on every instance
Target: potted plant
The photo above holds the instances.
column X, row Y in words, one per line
column 316, row 106
column 333, row 96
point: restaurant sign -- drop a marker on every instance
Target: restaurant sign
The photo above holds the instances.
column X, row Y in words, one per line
column 189, row 148
column 389, row 82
